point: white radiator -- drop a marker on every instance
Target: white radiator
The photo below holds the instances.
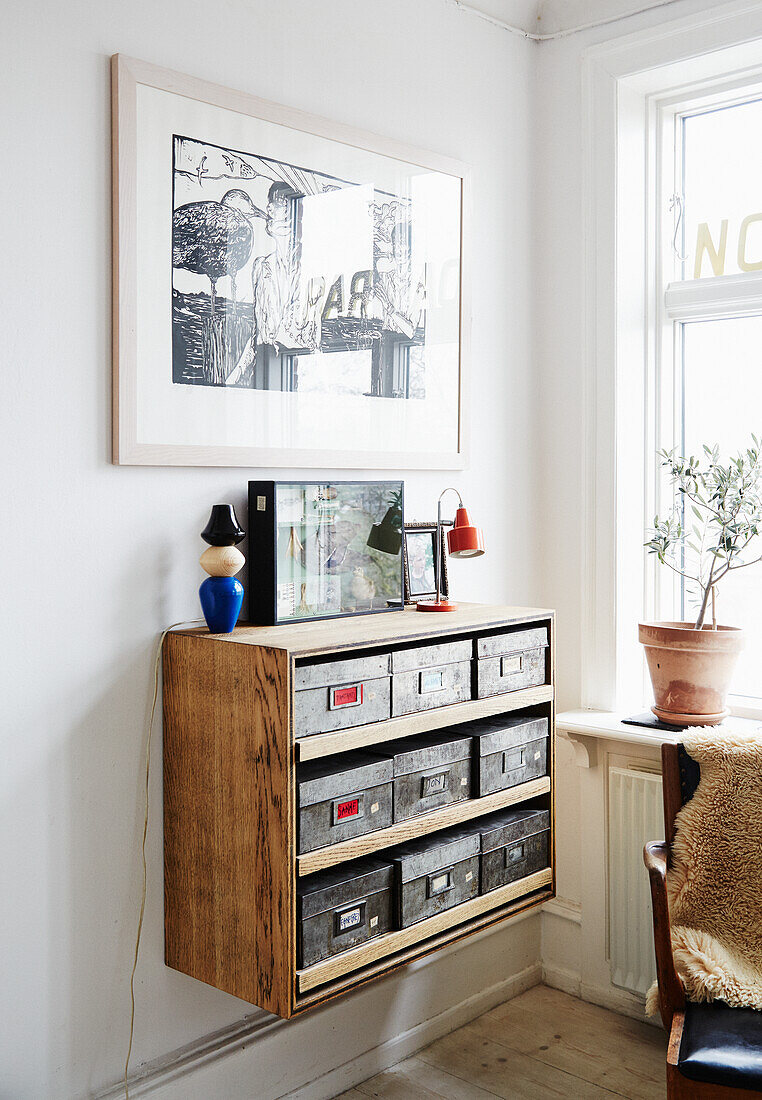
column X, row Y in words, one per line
column 635, row 816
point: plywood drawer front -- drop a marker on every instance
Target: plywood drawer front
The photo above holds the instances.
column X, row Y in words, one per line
column 510, row 661
column 343, row 908
column 508, row 750
column 431, row 676
column 341, row 798
column 436, row 873
column 335, row 695
column 514, row 844
column 430, row 771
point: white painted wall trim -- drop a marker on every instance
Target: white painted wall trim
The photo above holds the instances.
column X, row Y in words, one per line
column 162, row 1076
column 556, row 18
column 565, row 908
column 408, row 1042
column 623, row 82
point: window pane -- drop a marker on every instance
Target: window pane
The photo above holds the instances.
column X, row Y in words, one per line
column 723, row 199
column 722, row 404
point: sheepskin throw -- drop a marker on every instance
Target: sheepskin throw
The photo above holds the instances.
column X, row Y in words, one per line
column 714, row 885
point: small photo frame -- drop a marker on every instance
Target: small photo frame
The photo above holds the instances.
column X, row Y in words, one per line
column 420, row 562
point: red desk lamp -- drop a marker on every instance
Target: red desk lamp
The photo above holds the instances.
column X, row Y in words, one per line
column 463, row 541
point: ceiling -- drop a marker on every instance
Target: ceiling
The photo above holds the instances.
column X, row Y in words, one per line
column 550, row 17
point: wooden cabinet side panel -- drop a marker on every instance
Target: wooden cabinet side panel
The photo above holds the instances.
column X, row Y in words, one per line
column 228, row 813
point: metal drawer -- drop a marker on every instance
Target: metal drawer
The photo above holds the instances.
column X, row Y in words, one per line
column 344, row 797
column 508, row 750
column 511, row 641
column 332, row 695
column 435, row 873
column 342, row 908
column 431, row 676
column 430, row 771
column 514, row 844
column 510, row 660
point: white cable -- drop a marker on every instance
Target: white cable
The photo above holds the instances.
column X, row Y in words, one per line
column 157, row 659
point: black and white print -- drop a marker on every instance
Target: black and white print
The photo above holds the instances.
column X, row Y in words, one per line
column 292, row 280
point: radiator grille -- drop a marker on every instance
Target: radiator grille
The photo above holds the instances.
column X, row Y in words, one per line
column 635, row 816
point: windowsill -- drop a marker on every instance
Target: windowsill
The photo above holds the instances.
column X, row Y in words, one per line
column 585, row 729
column 608, row 726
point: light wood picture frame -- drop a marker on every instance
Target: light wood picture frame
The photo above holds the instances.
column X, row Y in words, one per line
column 250, row 328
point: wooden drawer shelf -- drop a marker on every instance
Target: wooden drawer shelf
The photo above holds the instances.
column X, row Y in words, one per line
column 467, row 810
column 319, row 745
column 231, row 866
column 382, row 946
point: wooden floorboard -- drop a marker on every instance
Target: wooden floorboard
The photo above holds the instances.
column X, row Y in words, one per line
column 613, row 1051
column 414, row 1077
column 540, row 1044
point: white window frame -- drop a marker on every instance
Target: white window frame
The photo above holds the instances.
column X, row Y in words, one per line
column 635, row 90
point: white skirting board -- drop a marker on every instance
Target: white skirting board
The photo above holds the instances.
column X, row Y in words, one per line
column 328, row 1050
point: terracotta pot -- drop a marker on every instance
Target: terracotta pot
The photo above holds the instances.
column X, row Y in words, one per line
column 690, row 670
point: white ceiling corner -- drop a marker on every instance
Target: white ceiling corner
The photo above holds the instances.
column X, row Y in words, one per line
column 551, row 17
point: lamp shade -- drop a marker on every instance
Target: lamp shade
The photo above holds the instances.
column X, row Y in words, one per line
column 386, row 536
column 464, row 540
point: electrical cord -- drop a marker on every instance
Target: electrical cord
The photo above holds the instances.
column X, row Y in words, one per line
column 144, row 888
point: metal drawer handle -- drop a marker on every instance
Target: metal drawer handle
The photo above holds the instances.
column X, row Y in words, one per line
column 439, row 883
column 513, row 663
column 514, row 855
column 349, row 695
column 348, row 809
column 344, row 920
column 434, row 783
column 431, row 680
column 513, row 760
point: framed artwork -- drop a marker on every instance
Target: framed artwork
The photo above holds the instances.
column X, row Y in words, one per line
column 287, row 291
column 420, row 541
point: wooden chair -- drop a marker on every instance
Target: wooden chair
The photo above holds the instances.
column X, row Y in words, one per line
column 714, row 1051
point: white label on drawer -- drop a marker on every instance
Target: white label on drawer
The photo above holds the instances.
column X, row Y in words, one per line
column 432, row 680
column 350, row 919
column 464, row 782
column 373, row 922
column 512, row 663
column 261, row 504
column 375, row 807
column 469, row 876
column 537, row 755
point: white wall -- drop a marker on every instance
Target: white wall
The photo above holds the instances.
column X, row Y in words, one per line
column 100, row 558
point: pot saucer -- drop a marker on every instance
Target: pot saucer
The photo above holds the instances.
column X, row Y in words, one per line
column 675, row 719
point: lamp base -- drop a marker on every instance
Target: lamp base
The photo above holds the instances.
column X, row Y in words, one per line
column 432, row 605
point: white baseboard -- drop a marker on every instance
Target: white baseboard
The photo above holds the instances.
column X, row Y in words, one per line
column 617, row 1000
column 406, row 1044
column 564, row 908
column 163, row 1071
column 568, row 981
column 182, row 1073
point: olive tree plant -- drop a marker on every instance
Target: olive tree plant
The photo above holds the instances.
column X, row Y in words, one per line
column 716, row 517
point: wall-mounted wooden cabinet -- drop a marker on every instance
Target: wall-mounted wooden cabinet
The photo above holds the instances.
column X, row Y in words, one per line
column 234, row 737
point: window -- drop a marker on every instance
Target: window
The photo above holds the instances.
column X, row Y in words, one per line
column 708, row 360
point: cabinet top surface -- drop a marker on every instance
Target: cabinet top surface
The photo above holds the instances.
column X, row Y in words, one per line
column 378, row 629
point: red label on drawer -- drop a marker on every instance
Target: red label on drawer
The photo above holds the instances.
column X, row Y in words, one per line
column 343, row 697
column 347, row 809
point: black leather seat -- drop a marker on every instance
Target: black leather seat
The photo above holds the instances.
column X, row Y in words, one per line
column 722, row 1045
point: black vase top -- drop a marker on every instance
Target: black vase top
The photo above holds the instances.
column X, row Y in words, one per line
column 223, row 528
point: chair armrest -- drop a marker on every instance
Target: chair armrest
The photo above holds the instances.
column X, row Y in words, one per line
column 671, row 993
